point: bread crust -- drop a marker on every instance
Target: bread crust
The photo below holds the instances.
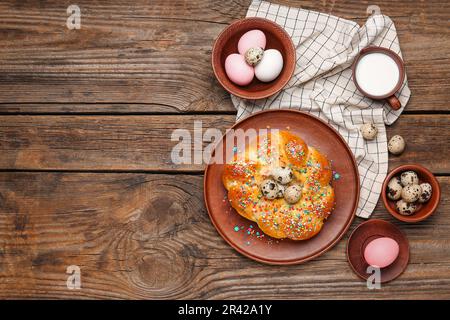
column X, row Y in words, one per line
column 277, row 218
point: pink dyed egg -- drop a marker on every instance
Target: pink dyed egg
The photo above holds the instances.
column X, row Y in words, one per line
column 251, row 39
column 237, row 70
column 381, row 252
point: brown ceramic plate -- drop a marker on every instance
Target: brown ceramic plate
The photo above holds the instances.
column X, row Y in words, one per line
column 226, row 44
column 316, row 133
column 369, row 231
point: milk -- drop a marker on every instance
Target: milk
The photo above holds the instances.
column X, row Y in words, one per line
column 377, row 74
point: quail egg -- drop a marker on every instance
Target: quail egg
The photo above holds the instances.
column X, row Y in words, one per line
column 293, row 193
column 409, row 177
column 253, row 56
column 281, row 189
column 394, row 189
column 405, row 208
column 411, row 193
column 396, row 145
column 282, row 175
column 427, row 191
column 269, row 189
column 369, row 131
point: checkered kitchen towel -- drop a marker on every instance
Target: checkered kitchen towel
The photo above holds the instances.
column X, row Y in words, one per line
column 322, row 84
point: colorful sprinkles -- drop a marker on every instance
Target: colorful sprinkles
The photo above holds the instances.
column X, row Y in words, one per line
column 336, row 175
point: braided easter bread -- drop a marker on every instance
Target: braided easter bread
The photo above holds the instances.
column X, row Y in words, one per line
column 283, row 185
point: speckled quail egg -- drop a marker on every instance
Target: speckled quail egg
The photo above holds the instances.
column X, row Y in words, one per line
column 409, row 177
column 411, row 193
column 253, row 56
column 369, row 131
column 396, row 145
column 282, row 175
column 269, row 189
column 427, row 191
column 394, row 189
column 281, row 189
column 293, row 193
column 405, row 208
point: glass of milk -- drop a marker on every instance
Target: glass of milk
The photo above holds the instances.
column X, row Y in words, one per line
column 378, row 73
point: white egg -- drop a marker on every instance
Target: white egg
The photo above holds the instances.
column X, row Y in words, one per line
column 270, row 66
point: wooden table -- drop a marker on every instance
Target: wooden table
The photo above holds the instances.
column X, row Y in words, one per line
column 86, row 177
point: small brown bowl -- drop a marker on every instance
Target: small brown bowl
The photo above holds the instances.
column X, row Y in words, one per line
column 425, row 209
column 227, row 43
column 369, row 231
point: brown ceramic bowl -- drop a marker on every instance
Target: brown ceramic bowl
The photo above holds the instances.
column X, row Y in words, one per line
column 425, row 209
column 226, row 44
column 369, row 231
column 316, row 133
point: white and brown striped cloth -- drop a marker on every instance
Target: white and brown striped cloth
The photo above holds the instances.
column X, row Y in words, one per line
column 322, row 84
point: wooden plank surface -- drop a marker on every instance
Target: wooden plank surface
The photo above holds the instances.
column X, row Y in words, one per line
column 144, row 142
column 155, row 56
column 149, row 236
